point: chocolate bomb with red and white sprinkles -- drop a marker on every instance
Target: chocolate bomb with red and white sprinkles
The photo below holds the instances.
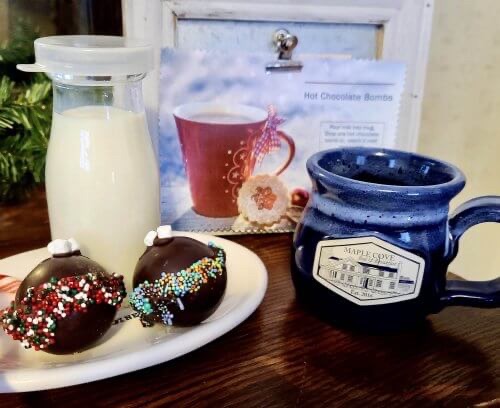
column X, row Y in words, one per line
column 65, row 304
column 178, row 280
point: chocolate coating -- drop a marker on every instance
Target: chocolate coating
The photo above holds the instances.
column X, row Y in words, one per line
column 171, row 255
column 79, row 330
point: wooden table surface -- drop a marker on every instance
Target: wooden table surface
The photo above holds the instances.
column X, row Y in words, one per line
column 283, row 356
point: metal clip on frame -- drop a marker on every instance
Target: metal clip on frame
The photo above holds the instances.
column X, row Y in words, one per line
column 284, row 43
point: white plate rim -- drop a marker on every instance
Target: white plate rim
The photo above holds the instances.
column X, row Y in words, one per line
column 26, row 379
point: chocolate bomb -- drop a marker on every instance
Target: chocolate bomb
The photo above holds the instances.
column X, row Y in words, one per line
column 185, row 294
column 91, row 300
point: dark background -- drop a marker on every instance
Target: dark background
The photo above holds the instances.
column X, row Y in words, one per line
column 52, row 17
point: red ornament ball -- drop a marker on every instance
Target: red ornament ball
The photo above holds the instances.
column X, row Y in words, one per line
column 300, row 197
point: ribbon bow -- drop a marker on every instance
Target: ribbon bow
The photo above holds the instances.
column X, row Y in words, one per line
column 269, row 141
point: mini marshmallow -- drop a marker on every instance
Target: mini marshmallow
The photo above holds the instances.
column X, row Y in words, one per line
column 164, row 231
column 59, row 247
column 75, row 246
column 149, row 238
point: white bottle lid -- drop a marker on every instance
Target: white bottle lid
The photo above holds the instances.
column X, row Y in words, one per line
column 90, row 55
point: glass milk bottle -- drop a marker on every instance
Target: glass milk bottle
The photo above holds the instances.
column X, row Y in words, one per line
column 102, row 177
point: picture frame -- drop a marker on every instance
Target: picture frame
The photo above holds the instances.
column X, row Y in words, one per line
column 405, row 30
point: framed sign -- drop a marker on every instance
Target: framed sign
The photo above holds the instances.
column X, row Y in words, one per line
column 233, row 132
column 397, row 30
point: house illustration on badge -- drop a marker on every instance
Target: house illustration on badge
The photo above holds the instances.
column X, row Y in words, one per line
column 357, row 274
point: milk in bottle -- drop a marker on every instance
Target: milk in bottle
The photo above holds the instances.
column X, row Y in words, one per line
column 102, row 177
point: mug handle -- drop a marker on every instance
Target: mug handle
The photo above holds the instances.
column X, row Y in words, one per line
column 291, row 152
column 485, row 294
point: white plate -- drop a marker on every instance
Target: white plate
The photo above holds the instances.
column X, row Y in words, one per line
column 127, row 346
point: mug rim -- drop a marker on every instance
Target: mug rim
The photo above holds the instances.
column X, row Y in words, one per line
column 184, row 111
column 330, row 178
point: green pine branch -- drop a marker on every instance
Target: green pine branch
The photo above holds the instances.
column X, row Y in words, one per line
column 25, row 117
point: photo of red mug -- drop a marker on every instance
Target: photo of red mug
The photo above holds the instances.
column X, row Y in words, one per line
column 218, row 145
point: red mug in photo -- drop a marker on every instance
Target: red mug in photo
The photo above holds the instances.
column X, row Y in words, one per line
column 218, row 143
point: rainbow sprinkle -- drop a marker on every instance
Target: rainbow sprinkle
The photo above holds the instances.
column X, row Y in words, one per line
column 35, row 322
column 154, row 298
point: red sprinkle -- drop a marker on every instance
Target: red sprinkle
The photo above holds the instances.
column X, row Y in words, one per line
column 56, row 300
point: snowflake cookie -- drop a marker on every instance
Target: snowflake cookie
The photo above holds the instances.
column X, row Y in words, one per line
column 263, row 199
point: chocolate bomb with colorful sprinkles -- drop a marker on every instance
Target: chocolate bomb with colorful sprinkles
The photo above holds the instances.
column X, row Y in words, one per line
column 65, row 304
column 178, row 280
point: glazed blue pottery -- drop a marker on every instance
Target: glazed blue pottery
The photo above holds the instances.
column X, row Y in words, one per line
column 375, row 240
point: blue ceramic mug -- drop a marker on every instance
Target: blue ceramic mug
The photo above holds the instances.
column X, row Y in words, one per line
column 374, row 243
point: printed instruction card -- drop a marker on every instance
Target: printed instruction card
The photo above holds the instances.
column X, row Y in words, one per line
column 234, row 139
